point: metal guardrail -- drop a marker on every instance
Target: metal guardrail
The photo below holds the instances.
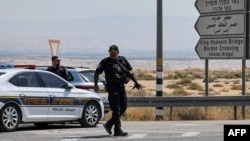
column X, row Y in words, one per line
column 190, row 102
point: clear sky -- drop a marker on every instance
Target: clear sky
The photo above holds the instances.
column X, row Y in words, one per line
column 91, row 24
column 66, row 9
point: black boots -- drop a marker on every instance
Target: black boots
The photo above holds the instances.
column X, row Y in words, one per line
column 107, row 128
column 121, row 133
column 118, row 132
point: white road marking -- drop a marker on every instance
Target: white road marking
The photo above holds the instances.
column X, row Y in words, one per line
column 188, row 124
column 137, row 136
column 69, row 140
column 189, row 134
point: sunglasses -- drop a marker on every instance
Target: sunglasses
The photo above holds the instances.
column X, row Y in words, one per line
column 56, row 60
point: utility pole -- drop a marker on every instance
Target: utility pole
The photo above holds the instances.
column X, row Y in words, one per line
column 159, row 60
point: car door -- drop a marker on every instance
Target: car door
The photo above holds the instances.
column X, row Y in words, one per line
column 63, row 103
column 33, row 98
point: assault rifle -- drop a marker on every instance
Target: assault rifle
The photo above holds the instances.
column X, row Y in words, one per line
column 131, row 76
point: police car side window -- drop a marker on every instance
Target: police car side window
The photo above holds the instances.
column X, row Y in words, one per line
column 25, row 79
column 14, row 81
column 51, row 81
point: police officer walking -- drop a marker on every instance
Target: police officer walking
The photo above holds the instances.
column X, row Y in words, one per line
column 116, row 79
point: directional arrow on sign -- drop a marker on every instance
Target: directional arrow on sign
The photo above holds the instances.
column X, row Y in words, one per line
column 212, row 6
column 221, row 48
column 233, row 24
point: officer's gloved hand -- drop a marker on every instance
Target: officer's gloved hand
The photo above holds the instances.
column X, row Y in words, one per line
column 137, row 86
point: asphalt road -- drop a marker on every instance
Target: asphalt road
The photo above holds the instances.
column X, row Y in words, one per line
column 138, row 131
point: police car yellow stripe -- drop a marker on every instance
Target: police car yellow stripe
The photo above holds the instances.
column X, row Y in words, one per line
column 45, row 101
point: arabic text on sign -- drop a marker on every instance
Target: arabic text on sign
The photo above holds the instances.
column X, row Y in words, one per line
column 221, row 25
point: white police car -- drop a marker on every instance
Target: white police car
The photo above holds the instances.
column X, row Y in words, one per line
column 41, row 97
column 82, row 78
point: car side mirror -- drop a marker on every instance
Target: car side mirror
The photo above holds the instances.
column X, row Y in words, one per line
column 68, row 86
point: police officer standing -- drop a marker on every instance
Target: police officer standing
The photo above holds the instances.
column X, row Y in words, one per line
column 115, row 80
column 57, row 69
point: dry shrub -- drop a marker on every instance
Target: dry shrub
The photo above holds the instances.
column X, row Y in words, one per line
column 189, row 114
column 195, row 86
column 211, row 89
column 227, row 74
column 173, row 86
column 236, row 87
column 135, row 92
column 224, row 90
column 221, row 113
column 144, row 76
column 217, row 85
column 236, row 81
column 139, row 114
column 170, row 77
column 184, row 81
column 180, row 92
column 181, row 113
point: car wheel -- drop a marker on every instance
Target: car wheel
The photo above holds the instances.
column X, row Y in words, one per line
column 91, row 115
column 10, row 118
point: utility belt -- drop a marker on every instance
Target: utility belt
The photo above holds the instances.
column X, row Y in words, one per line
column 109, row 85
column 116, row 79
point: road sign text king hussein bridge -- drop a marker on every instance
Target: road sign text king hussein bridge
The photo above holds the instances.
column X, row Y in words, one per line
column 235, row 41
column 221, row 48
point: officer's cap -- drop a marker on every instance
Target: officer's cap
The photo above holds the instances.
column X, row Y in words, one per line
column 55, row 58
column 113, row 47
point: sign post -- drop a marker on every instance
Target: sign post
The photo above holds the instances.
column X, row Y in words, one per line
column 54, row 46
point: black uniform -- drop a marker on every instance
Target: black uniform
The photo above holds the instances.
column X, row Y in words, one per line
column 61, row 71
column 115, row 78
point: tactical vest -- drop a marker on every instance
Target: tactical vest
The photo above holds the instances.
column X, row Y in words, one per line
column 115, row 74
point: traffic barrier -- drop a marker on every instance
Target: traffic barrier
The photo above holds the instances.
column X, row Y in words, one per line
column 187, row 101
